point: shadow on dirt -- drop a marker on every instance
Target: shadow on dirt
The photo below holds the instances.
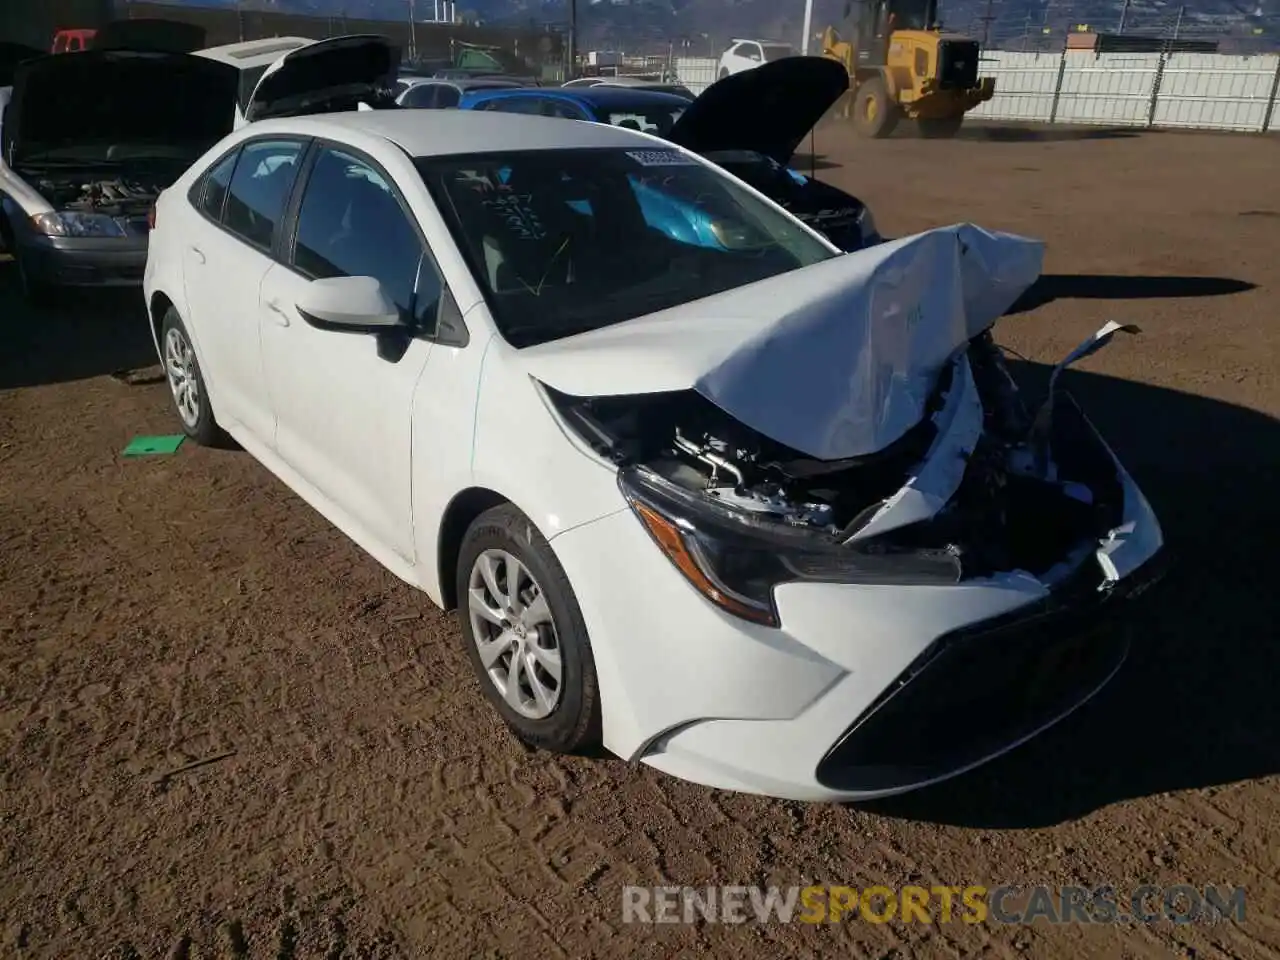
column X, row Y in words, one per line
column 1097, row 286
column 805, row 161
column 1195, row 705
column 1007, row 133
column 83, row 334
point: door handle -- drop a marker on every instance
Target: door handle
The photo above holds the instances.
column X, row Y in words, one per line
column 277, row 311
column 197, row 253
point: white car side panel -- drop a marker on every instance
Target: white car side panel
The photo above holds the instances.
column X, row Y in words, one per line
column 444, row 424
column 342, row 413
column 226, row 313
column 522, row 452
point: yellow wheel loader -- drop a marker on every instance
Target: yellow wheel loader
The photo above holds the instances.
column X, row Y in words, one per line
column 903, row 66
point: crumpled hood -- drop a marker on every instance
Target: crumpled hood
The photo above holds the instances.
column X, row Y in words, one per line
column 834, row 360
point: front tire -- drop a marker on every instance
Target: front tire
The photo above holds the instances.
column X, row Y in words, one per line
column 525, row 635
column 874, row 113
column 186, row 384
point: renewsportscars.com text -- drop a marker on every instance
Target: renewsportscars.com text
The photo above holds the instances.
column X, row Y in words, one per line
column 972, row 904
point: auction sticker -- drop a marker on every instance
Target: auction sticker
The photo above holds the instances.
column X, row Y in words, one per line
column 661, row 158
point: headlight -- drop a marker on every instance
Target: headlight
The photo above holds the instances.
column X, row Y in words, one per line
column 735, row 560
column 69, row 223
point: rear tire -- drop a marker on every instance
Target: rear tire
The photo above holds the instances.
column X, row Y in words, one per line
column 874, row 113
column 186, row 385
column 939, row 128
column 536, row 669
column 724, row 72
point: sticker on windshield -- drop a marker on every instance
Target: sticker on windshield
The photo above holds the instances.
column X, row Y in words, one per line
column 661, row 158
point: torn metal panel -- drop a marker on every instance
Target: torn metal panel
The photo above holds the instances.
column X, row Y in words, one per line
column 835, row 360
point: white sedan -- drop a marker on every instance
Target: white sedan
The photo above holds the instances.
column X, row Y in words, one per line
column 759, row 514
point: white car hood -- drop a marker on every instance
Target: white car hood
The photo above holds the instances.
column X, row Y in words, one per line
column 835, row 360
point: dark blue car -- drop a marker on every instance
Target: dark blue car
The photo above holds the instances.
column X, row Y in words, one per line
column 750, row 124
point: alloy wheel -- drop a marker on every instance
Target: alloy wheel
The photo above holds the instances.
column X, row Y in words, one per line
column 515, row 634
column 184, row 383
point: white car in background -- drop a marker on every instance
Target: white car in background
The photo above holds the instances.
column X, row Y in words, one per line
column 89, row 140
column 250, row 59
column 749, row 54
column 764, row 516
column 286, row 76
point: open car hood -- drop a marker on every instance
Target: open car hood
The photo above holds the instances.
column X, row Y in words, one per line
column 126, row 97
column 149, row 33
column 12, row 54
column 835, row 360
column 355, row 65
column 769, row 109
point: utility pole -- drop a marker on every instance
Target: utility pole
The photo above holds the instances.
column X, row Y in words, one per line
column 1177, row 27
column 572, row 68
column 808, row 27
column 986, row 27
column 413, row 32
column 1124, row 15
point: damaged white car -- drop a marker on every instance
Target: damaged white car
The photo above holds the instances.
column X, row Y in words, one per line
column 88, row 142
column 764, row 516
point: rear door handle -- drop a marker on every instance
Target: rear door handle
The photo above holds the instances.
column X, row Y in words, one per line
column 198, row 254
column 277, row 311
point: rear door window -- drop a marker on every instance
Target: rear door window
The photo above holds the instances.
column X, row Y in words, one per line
column 259, row 188
column 212, row 193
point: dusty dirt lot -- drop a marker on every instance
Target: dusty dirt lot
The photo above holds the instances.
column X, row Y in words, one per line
column 224, row 732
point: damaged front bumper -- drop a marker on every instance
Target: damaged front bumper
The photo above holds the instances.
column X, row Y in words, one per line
column 861, row 690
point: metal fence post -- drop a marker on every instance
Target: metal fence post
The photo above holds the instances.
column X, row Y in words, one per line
column 1271, row 100
column 1155, row 88
column 1057, row 86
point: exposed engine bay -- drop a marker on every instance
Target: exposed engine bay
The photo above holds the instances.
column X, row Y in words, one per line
column 119, row 196
column 1032, row 492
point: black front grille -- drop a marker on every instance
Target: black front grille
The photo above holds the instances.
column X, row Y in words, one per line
column 957, row 64
column 983, row 687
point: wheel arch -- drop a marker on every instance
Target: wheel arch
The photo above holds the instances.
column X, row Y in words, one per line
column 160, row 305
column 458, row 516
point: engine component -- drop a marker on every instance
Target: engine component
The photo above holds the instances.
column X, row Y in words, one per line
column 114, row 197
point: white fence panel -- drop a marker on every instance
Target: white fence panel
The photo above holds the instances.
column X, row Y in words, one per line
column 1025, row 83
column 696, row 73
column 1215, row 91
column 1108, row 88
column 1212, row 91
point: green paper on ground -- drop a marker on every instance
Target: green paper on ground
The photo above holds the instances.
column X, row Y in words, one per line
column 146, row 446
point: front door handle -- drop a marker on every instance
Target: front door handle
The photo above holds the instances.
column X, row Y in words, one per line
column 277, row 312
column 198, row 254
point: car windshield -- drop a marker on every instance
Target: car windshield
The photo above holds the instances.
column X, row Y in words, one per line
column 655, row 120
column 775, row 51
column 566, row 241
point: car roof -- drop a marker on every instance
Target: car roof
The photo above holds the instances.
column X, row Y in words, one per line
column 606, row 97
column 253, row 53
column 443, row 133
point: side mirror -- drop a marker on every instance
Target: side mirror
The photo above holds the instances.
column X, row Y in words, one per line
column 355, row 304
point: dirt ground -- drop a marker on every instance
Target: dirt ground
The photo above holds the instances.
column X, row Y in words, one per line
column 225, row 732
